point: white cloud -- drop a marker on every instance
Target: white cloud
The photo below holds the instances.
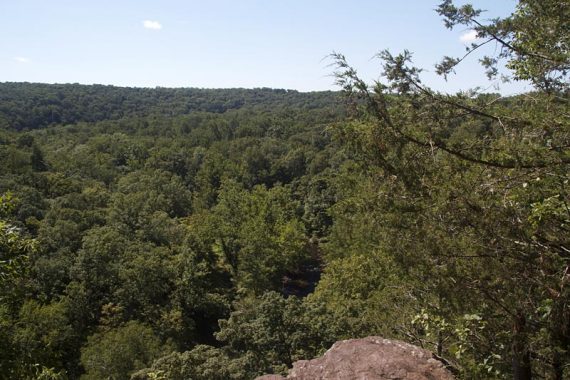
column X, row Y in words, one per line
column 468, row 37
column 149, row 24
column 22, row 59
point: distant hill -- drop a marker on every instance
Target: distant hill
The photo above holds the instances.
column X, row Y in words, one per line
column 34, row 105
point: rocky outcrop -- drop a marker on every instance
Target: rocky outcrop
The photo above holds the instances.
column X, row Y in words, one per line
column 371, row 358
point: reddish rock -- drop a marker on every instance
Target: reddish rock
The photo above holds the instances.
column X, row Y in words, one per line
column 371, row 358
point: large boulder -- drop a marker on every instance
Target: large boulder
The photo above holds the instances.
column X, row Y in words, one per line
column 371, row 358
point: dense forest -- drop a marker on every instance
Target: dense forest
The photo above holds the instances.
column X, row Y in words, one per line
column 223, row 234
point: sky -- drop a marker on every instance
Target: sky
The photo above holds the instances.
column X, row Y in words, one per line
column 229, row 43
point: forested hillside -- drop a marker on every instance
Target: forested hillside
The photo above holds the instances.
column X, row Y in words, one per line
column 31, row 106
column 223, row 234
column 150, row 227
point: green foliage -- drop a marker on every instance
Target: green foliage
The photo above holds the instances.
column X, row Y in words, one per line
column 467, row 199
column 274, row 330
column 367, row 292
column 202, row 363
column 262, row 335
column 143, row 199
column 15, row 251
column 44, row 335
column 534, row 40
column 155, row 233
column 31, row 333
column 259, row 235
column 7, row 204
column 28, row 106
column 117, row 353
column 150, row 207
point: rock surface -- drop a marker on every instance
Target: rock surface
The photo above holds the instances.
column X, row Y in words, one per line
column 371, row 358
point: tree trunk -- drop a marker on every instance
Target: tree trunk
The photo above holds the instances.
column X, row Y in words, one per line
column 522, row 369
column 560, row 338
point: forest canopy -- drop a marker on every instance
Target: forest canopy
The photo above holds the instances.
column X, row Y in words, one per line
column 224, row 234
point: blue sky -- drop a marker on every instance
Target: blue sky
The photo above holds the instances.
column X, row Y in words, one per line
column 225, row 43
